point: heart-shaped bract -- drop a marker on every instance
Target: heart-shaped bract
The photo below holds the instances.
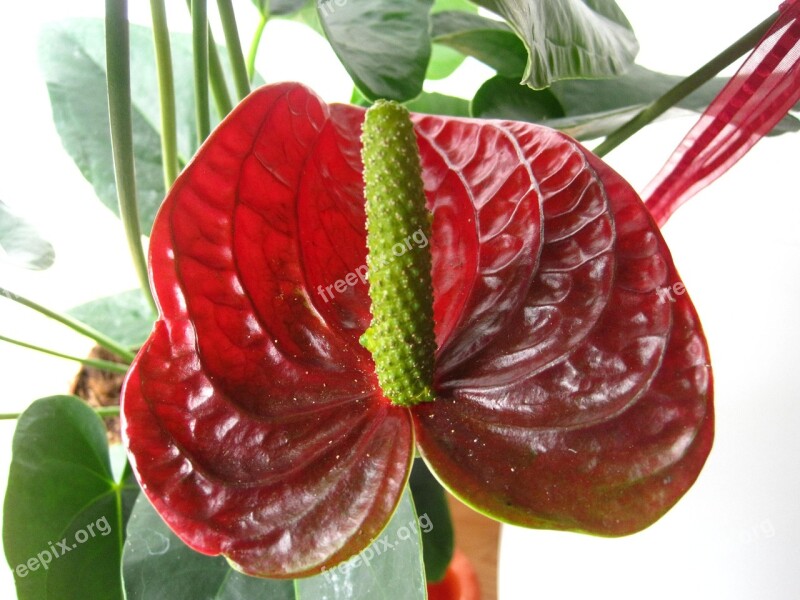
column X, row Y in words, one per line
column 572, row 379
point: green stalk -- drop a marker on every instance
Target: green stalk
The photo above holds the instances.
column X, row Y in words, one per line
column 103, row 365
column 216, row 74
column 251, row 55
column 219, row 88
column 102, row 339
column 166, row 91
column 228, row 18
column 200, row 52
column 685, row 87
column 100, row 411
column 119, row 107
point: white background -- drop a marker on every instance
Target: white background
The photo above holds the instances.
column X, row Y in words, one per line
column 736, row 535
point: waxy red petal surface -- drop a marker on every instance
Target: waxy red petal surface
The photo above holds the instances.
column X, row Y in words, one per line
column 573, row 388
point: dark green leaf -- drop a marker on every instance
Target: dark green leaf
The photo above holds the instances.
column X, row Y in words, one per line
column 63, row 507
column 491, row 42
column 390, row 569
column 430, row 501
column 21, row 244
column 569, row 38
column 125, row 317
column 439, row 104
column 504, row 98
column 446, row 60
column 639, row 86
column 587, row 109
column 157, row 565
column 383, row 44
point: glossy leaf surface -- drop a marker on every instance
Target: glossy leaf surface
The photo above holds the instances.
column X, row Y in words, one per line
column 384, row 45
column 569, row 38
column 488, row 40
column 430, row 501
column 253, row 396
column 64, row 514
column 573, row 386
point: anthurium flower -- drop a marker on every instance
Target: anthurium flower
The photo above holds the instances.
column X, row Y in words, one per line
column 571, row 382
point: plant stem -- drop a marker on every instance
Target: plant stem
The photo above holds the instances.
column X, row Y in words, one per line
column 219, row 88
column 100, row 411
column 216, row 75
column 228, row 18
column 102, row 339
column 685, row 87
column 119, row 109
column 200, row 52
column 251, row 55
column 103, row 365
column 166, row 92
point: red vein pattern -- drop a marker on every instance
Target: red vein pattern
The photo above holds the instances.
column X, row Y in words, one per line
column 572, row 391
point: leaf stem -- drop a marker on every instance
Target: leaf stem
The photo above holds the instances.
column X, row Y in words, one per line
column 100, row 411
column 216, row 75
column 166, row 91
column 685, row 87
column 251, row 55
column 219, row 88
column 200, row 53
column 82, row 328
column 120, row 120
column 103, row 365
column 228, row 18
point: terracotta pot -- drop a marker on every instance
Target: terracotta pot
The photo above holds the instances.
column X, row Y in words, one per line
column 460, row 581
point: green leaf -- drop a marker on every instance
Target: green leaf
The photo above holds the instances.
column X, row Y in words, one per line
column 390, row 569
column 489, row 41
column 639, row 86
column 157, row 565
column 459, row 5
column 64, row 514
column 430, row 501
column 504, row 98
column 434, row 103
column 21, row 244
column 383, row 44
column 446, row 60
column 567, row 39
column 72, row 58
column 125, row 317
column 587, row 109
